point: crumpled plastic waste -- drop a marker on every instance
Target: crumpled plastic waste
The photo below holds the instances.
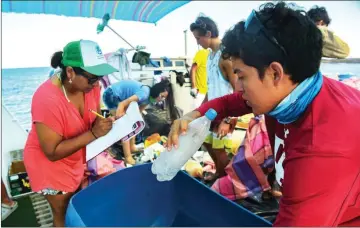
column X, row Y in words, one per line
column 194, row 169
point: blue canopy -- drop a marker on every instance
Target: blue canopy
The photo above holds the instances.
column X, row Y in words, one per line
column 144, row 11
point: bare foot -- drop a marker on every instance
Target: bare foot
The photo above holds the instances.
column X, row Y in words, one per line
column 130, row 160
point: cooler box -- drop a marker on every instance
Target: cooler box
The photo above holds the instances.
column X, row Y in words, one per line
column 133, row 197
column 18, row 179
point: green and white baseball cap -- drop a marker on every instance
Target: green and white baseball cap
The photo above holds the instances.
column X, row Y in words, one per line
column 87, row 55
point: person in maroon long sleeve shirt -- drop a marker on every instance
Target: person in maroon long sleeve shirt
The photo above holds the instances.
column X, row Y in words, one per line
column 312, row 121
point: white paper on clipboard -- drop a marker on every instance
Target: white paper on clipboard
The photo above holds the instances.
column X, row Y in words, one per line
column 124, row 129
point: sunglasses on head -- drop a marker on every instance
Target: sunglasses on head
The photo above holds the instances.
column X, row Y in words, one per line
column 200, row 23
column 255, row 27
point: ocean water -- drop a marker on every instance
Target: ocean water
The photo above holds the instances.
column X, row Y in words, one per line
column 19, row 85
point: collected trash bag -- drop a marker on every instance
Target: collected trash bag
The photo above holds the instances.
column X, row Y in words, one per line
column 155, row 124
column 267, row 208
column 157, row 121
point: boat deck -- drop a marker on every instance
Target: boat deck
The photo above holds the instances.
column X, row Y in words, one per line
column 23, row 216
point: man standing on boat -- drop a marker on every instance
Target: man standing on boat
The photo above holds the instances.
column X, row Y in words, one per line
column 276, row 54
column 198, row 77
column 333, row 46
column 221, row 81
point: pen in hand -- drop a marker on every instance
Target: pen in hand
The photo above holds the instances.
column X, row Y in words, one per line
column 90, row 110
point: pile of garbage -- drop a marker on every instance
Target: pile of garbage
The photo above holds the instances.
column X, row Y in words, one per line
column 199, row 164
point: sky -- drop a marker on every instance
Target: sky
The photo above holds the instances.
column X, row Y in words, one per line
column 30, row 40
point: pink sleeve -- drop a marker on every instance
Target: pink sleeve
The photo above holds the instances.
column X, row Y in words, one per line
column 47, row 110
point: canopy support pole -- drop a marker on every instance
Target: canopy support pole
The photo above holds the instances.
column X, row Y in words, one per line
column 186, row 42
column 104, row 23
column 121, row 37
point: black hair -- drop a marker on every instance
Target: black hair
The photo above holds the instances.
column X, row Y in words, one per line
column 165, row 85
column 56, row 62
column 317, row 14
column 299, row 37
column 204, row 24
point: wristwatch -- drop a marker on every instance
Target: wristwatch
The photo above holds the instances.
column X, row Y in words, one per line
column 227, row 120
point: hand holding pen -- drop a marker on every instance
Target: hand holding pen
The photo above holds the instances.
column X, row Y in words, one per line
column 101, row 125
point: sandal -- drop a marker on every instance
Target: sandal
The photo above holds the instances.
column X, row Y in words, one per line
column 208, row 176
column 7, row 210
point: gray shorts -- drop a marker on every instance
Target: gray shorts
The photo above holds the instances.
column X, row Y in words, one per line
column 52, row 192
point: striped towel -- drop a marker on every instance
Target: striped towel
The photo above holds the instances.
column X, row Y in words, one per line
column 248, row 169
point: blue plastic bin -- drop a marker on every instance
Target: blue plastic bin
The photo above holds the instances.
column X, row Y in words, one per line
column 133, row 197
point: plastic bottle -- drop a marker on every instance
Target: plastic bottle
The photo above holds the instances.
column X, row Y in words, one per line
column 169, row 163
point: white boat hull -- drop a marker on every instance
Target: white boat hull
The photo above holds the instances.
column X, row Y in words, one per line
column 13, row 137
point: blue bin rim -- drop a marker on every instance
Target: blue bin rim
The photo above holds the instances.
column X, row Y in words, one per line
column 184, row 173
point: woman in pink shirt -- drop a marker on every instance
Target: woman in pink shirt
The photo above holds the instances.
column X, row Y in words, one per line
column 62, row 125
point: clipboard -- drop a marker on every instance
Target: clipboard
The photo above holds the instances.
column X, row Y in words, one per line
column 125, row 128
